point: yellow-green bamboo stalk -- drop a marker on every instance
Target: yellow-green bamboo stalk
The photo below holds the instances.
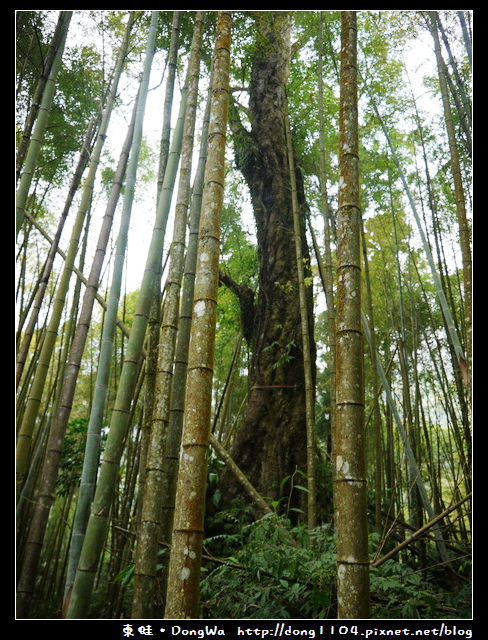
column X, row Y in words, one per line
column 28, row 330
column 39, row 91
column 92, row 449
column 149, row 528
column 328, row 277
column 414, row 471
column 35, row 143
column 459, row 197
column 305, row 327
column 173, row 437
column 248, row 487
column 450, row 325
column 350, row 479
column 119, row 422
column 37, row 387
column 154, row 321
column 186, row 549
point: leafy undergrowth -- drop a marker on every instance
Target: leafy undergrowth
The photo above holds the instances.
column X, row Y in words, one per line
column 269, row 569
column 398, row 591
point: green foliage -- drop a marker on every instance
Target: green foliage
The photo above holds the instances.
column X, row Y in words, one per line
column 145, row 172
column 237, row 228
column 398, row 591
column 281, row 572
column 303, row 92
column 282, row 352
column 75, row 102
column 402, row 592
column 269, row 569
column 34, row 30
column 72, row 456
column 289, row 482
column 239, row 262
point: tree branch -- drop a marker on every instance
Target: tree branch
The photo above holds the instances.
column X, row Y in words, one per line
column 245, row 295
column 419, row 532
column 243, row 141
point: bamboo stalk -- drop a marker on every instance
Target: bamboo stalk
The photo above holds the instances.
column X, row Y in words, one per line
column 37, row 387
column 186, row 548
column 119, row 423
column 90, row 464
column 151, row 513
column 350, row 480
column 305, row 329
column 35, row 143
column 419, row 532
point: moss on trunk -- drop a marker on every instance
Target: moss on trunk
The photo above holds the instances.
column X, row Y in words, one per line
column 271, row 443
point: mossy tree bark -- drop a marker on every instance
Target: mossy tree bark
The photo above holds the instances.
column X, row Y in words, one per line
column 275, row 419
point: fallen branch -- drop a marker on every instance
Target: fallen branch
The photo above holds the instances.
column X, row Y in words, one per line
column 419, row 532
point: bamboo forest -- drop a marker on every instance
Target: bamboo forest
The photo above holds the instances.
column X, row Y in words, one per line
column 243, row 306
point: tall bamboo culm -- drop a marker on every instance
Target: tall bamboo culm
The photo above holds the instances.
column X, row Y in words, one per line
column 90, row 463
column 305, row 326
column 327, row 271
column 150, row 525
column 26, row 331
column 30, row 561
column 35, row 143
column 459, row 197
column 177, row 407
column 186, row 549
column 30, row 120
column 119, row 422
column 37, row 387
column 350, row 479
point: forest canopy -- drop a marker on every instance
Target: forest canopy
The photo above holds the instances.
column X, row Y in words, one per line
column 243, row 314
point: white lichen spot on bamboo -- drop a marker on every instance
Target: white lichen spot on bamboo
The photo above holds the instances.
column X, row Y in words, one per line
column 185, row 573
column 199, row 308
column 342, row 466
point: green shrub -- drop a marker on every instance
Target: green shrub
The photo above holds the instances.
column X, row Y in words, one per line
column 269, row 569
column 278, row 572
column 399, row 591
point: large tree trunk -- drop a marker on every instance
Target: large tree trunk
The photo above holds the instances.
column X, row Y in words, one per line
column 271, row 443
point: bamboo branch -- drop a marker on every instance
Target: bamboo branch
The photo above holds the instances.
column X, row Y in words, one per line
column 248, row 487
column 419, row 532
